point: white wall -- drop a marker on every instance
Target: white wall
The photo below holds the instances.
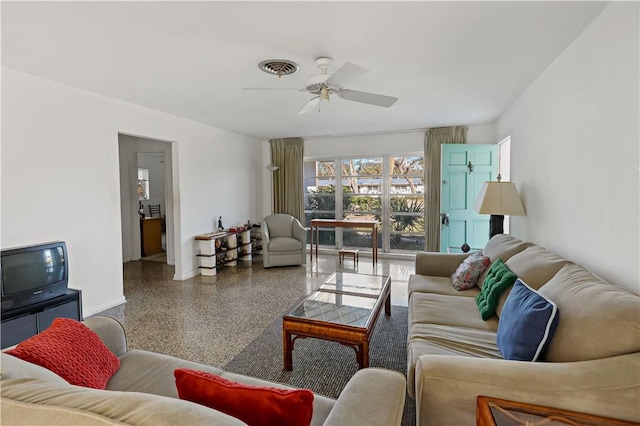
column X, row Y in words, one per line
column 60, row 178
column 575, row 149
column 368, row 144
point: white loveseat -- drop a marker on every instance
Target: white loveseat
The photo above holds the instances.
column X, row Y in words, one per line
column 143, row 392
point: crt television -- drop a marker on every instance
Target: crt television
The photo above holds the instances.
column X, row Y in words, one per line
column 33, row 273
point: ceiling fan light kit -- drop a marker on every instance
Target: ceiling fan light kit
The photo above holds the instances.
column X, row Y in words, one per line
column 324, row 84
column 324, row 95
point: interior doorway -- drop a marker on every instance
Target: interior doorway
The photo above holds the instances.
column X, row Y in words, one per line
column 152, row 206
column 146, row 199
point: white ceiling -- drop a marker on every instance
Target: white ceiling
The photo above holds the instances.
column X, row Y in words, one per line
column 449, row 63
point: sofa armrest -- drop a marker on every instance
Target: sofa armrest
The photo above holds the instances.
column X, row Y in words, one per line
column 447, row 386
column 110, row 331
column 438, row 264
column 372, row 397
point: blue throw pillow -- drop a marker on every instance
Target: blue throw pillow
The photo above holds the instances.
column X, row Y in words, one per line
column 527, row 324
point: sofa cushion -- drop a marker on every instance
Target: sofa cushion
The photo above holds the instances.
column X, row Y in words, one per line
column 15, row 368
column 280, row 225
column 434, row 339
column 254, row 405
column 535, row 265
column 71, row 350
column 150, row 372
column 501, row 246
column 322, row 405
column 279, row 244
column 498, row 278
column 95, row 406
column 599, row 320
column 467, row 274
column 456, row 341
column 527, row 324
column 453, row 311
column 437, row 285
column 22, row 413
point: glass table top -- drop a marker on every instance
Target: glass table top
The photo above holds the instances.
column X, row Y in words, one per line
column 345, row 298
column 347, row 282
column 335, row 308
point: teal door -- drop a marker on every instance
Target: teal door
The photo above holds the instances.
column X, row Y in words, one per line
column 464, row 169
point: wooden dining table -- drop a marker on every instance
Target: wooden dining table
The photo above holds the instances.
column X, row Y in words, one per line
column 371, row 225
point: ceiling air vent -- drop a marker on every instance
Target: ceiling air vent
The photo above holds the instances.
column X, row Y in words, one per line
column 278, row 67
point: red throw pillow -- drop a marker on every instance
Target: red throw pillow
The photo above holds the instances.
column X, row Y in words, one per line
column 254, row 405
column 71, row 350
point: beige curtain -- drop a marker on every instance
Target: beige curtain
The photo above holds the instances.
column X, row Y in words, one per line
column 288, row 155
column 433, row 141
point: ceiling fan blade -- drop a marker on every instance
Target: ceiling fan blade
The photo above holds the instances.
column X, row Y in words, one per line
column 346, row 74
column 272, row 88
column 310, row 106
column 368, row 98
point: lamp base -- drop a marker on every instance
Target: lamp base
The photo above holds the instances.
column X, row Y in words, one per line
column 496, row 225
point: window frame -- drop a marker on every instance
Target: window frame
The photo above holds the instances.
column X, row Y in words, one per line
column 145, row 184
column 385, row 194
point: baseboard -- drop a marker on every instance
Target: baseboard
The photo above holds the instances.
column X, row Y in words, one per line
column 127, row 259
column 103, row 307
column 185, row 276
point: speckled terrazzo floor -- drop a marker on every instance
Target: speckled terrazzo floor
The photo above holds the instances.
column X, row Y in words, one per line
column 211, row 319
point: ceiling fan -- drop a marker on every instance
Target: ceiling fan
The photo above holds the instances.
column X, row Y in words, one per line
column 324, row 84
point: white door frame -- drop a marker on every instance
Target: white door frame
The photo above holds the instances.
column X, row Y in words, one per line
column 151, row 145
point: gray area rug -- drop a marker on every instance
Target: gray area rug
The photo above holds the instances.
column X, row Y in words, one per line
column 326, row 367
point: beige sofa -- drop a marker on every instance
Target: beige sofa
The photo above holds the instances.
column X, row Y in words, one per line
column 592, row 364
column 143, row 392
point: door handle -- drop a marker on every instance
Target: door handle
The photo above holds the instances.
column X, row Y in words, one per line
column 444, row 218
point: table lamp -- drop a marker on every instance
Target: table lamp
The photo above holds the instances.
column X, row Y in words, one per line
column 498, row 199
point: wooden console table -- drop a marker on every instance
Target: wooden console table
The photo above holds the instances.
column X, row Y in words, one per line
column 335, row 223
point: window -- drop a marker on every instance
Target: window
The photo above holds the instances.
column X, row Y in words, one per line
column 406, row 200
column 387, row 188
column 361, row 196
column 143, row 184
column 320, row 196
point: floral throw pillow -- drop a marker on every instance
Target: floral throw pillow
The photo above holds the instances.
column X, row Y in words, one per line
column 467, row 274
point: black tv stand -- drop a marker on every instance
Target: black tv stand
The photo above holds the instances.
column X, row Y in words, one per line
column 21, row 323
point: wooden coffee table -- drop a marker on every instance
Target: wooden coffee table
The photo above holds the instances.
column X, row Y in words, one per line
column 344, row 309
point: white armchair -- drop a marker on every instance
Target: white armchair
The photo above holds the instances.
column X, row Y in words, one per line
column 284, row 241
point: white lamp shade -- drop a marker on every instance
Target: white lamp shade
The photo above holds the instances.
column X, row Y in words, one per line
column 499, row 198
